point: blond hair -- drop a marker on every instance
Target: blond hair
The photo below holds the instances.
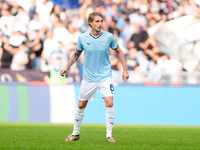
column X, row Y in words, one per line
column 91, row 16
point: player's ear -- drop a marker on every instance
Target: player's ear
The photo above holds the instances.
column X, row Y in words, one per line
column 89, row 23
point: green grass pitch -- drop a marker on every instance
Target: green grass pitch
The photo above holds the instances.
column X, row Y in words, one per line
column 36, row 136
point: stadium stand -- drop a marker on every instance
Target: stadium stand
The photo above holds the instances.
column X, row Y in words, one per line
column 164, row 35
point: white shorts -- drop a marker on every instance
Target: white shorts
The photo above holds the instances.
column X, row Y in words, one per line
column 88, row 89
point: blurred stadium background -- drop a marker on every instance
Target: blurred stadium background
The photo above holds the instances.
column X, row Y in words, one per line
column 160, row 40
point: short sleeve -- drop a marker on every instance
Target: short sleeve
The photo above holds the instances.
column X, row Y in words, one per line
column 79, row 45
column 113, row 43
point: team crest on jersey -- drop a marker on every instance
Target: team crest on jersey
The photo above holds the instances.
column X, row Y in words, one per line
column 103, row 42
column 81, row 95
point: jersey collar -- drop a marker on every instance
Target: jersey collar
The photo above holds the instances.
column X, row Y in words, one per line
column 96, row 36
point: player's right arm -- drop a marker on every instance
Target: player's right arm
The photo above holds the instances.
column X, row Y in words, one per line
column 72, row 60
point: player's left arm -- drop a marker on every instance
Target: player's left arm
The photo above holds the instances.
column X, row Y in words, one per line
column 120, row 54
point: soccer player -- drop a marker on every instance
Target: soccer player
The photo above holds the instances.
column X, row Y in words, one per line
column 96, row 72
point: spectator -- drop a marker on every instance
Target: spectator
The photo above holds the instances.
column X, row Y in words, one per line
column 172, row 13
column 138, row 76
column 156, row 16
column 4, row 6
column 131, row 59
column 129, row 8
column 21, row 21
column 22, row 16
column 25, row 4
column 117, row 15
column 143, row 61
column 152, row 22
column 171, row 65
column 73, row 34
column 138, row 18
column 143, row 7
column 20, row 58
column 33, row 25
column 50, row 46
column 7, row 21
column 186, row 7
column 55, row 22
column 77, row 23
column 101, row 8
column 35, row 47
column 43, row 9
column 148, row 46
column 60, row 32
column 32, row 10
column 6, row 53
column 172, row 3
column 17, row 39
column 120, row 41
column 138, row 38
column 54, row 78
column 113, row 26
column 154, row 6
column 57, row 12
column 156, row 49
column 155, row 68
column 72, row 7
column 164, row 17
column 128, row 31
column 108, row 5
column 86, row 9
column 70, row 41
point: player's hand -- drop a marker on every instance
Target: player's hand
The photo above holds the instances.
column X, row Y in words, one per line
column 125, row 75
column 63, row 71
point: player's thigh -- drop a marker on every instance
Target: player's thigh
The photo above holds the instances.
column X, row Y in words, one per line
column 106, row 88
column 88, row 90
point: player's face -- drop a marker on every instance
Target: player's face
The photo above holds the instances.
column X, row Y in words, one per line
column 97, row 23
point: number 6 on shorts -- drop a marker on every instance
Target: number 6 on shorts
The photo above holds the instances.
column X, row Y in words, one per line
column 111, row 87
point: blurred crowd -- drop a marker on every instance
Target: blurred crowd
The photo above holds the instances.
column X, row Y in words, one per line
column 34, row 33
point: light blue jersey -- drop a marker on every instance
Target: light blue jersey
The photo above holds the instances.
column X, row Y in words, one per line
column 96, row 66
